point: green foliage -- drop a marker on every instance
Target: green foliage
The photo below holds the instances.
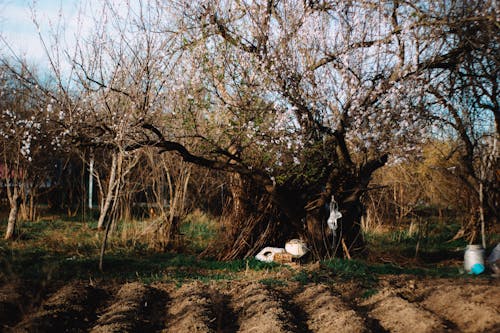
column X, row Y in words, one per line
column 361, row 270
column 367, row 274
column 60, row 250
column 350, row 269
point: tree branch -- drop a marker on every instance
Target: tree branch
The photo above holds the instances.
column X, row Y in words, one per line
column 164, row 145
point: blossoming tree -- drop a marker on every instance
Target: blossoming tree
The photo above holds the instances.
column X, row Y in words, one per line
column 300, row 101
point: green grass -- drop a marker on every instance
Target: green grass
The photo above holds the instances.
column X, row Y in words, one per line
column 36, row 264
column 367, row 274
column 305, row 277
column 432, row 244
column 199, row 230
column 369, row 292
column 358, row 269
column 64, row 250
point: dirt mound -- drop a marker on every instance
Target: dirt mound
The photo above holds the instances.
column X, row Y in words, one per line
column 71, row 308
column 400, row 304
column 470, row 307
column 133, row 309
column 327, row 313
column 396, row 314
column 260, row 310
column 191, row 310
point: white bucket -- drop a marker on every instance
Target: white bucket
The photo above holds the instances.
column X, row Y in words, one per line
column 296, row 247
column 474, row 259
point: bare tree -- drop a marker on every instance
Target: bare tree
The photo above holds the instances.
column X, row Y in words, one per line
column 464, row 99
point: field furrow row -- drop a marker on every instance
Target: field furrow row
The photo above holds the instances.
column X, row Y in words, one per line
column 249, row 307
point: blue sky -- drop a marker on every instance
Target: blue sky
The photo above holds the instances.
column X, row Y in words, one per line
column 18, row 30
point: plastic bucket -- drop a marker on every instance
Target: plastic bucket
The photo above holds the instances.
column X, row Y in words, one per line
column 296, row 247
column 474, row 259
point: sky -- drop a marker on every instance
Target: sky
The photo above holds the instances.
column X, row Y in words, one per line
column 20, row 33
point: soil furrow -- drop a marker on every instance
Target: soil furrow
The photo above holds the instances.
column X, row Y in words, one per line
column 399, row 305
column 396, row 314
column 70, row 309
column 191, row 310
column 300, row 316
column 467, row 308
column 126, row 313
column 11, row 305
column 227, row 321
column 326, row 312
column 260, row 310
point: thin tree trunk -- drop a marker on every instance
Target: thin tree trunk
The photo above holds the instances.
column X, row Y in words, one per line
column 103, row 247
column 109, row 193
column 117, row 188
column 481, row 214
column 12, row 222
column 14, row 196
column 32, row 207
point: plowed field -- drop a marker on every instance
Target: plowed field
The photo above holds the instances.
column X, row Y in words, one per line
column 398, row 304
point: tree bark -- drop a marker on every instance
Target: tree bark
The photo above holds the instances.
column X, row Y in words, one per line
column 15, row 202
column 321, row 238
column 109, row 194
column 350, row 227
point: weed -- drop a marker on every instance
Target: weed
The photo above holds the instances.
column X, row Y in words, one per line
column 306, row 277
column 369, row 293
column 272, row 282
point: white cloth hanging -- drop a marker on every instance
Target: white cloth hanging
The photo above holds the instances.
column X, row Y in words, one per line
column 335, row 215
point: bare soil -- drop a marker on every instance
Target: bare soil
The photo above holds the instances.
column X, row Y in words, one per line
column 396, row 304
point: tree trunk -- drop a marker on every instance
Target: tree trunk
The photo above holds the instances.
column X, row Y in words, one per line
column 318, row 236
column 109, row 194
column 350, row 235
column 15, row 202
column 259, row 218
column 347, row 241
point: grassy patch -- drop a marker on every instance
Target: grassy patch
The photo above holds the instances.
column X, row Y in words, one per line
column 430, row 243
column 47, row 266
column 366, row 273
column 367, row 293
column 305, row 277
column 357, row 269
column 63, row 250
column 199, row 230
